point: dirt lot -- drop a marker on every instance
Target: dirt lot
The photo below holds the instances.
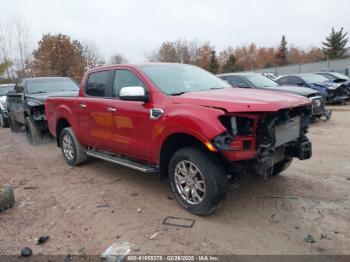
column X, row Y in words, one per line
column 87, row 208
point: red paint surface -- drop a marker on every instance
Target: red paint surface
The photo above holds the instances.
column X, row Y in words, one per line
column 130, row 130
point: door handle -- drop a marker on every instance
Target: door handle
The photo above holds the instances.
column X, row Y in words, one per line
column 82, row 106
column 111, row 109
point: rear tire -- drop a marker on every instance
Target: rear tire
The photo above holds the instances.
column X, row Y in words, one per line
column 3, row 121
column 34, row 134
column 202, row 193
column 73, row 152
column 279, row 167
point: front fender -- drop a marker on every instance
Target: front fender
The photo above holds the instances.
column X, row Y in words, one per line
column 200, row 122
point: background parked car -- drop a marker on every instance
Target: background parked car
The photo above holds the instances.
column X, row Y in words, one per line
column 337, row 78
column 4, row 121
column 334, row 92
column 26, row 105
column 272, row 76
column 256, row 80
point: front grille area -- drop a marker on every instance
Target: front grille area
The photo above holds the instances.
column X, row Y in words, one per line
column 340, row 91
column 317, row 105
column 266, row 129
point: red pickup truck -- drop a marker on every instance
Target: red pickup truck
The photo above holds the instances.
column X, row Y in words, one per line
column 181, row 122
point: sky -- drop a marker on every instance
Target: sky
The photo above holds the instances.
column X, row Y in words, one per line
column 136, row 27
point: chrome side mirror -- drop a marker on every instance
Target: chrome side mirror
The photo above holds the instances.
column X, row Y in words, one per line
column 133, row 93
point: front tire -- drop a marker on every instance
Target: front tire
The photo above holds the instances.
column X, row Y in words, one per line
column 198, row 180
column 34, row 134
column 73, row 152
column 3, row 121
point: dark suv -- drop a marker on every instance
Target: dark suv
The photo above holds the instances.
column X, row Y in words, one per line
column 26, row 105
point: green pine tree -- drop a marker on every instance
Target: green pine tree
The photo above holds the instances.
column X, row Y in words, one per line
column 282, row 53
column 213, row 63
column 335, row 44
column 231, row 65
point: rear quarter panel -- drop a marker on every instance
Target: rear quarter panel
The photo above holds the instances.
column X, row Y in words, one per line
column 61, row 108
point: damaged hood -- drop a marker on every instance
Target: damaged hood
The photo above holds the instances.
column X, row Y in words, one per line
column 242, row 100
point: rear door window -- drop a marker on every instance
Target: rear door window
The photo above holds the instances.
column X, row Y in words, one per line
column 99, row 84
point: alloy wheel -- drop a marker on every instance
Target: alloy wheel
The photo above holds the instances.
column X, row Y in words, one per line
column 68, row 147
column 189, row 182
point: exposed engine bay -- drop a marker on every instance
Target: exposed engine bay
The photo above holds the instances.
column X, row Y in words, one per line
column 265, row 139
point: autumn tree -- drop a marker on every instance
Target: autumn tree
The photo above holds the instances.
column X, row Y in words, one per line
column 314, row 54
column 182, row 51
column 282, row 52
column 204, row 55
column 335, row 44
column 58, row 55
column 247, row 56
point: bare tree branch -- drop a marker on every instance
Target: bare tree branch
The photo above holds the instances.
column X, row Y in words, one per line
column 118, row 58
column 92, row 55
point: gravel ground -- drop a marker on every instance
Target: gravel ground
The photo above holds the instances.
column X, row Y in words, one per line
column 85, row 209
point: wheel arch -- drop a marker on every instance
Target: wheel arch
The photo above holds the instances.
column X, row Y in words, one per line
column 173, row 143
column 60, row 125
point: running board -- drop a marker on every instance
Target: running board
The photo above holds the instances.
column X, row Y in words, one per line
column 122, row 161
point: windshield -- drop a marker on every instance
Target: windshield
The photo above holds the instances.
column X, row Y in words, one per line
column 314, row 78
column 176, row 79
column 51, row 85
column 334, row 76
column 260, row 81
column 5, row 89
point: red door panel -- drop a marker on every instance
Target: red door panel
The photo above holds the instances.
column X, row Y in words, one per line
column 132, row 128
column 95, row 126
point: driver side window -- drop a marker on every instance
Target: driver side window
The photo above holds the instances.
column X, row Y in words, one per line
column 237, row 81
column 125, row 78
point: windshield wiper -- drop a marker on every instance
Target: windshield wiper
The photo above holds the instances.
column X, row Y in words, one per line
column 214, row 88
column 40, row 92
column 178, row 94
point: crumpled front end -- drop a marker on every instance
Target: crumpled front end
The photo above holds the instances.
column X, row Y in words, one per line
column 338, row 95
column 259, row 141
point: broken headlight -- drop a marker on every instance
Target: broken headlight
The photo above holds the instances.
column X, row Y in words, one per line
column 237, row 125
column 234, row 125
column 238, row 134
